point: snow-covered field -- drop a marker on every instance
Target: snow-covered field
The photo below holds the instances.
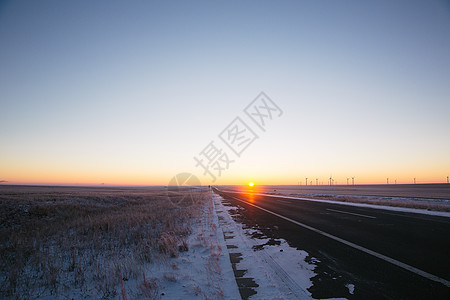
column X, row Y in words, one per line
column 202, row 272
column 106, row 243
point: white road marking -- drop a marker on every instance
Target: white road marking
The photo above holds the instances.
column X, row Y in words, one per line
column 284, row 201
column 346, row 212
column 365, row 250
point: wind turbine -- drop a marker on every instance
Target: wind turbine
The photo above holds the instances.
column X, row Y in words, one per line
column 347, row 180
column 306, row 180
column 387, row 180
column 353, row 180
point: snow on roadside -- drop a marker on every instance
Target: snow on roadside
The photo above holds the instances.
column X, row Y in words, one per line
column 280, row 270
column 351, row 288
column 204, row 271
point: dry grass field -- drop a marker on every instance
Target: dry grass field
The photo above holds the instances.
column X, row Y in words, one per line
column 64, row 242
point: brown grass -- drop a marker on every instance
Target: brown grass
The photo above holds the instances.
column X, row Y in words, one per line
column 57, row 241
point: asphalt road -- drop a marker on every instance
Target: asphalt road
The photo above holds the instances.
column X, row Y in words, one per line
column 408, row 254
column 428, row 191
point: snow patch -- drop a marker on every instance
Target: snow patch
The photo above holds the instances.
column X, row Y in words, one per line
column 351, row 288
column 280, row 270
column 202, row 272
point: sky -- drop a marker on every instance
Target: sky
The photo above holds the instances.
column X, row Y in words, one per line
column 129, row 93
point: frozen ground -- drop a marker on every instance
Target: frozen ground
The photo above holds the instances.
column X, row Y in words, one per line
column 202, row 272
column 80, row 243
column 132, row 244
column 277, row 270
column 265, row 268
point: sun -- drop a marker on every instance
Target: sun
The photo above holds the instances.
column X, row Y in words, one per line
column 251, row 184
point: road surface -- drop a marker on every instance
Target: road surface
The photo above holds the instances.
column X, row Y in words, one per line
column 428, row 191
column 384, row 254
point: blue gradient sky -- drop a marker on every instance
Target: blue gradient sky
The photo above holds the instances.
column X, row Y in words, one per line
column 129, row 93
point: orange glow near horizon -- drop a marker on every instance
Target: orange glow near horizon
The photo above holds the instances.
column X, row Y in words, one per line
column 98, row 179
column 72, row 174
